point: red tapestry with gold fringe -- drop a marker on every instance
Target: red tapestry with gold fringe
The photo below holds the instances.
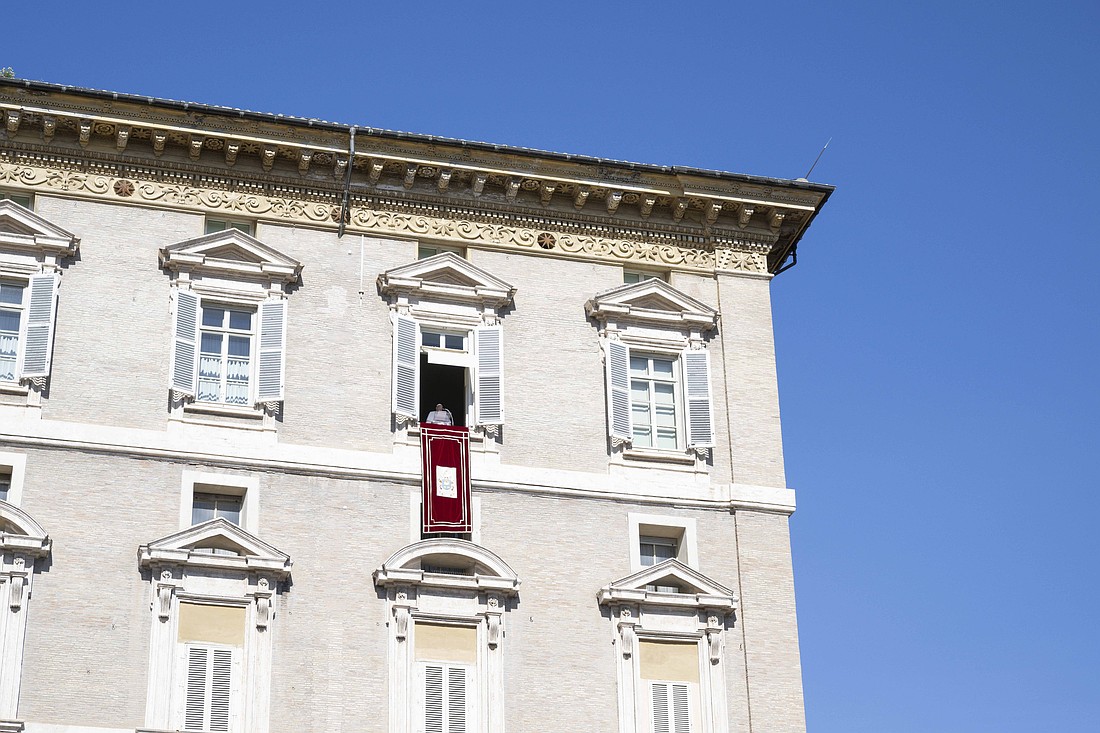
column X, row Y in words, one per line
column 445, row 460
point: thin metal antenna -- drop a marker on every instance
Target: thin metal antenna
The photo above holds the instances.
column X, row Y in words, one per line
column 807, row 176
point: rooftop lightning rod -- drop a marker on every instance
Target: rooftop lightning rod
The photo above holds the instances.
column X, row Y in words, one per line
column 807, row 176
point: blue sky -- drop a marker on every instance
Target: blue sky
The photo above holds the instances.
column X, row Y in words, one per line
column 937, row 341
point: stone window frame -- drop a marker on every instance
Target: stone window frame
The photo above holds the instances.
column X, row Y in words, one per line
column 247, row 487
column 480, row 599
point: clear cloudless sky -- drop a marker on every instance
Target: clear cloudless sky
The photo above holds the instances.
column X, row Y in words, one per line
column 937, row 342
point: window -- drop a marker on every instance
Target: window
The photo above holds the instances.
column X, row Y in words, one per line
column 424, row 251
column 229, row 329
column 205, row 507
column 447, row 602
column 448, row 344
column 655, row 538
column 23, row 199
column 210, row 651
column 657, row 369
column 29, row 282
column 232, row 497
column 23, row 543
column 653, row 397
column 5, row 482
column 637, row 276
column 655, row 549
column 225, row 355
column 670, row 623
column 446, row 674
column 220, row 225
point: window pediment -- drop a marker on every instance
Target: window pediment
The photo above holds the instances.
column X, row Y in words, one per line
column 652, row 303
column 20, row 533
column 696, row 589
column 230, row 254
column 187, row 548
column 450, row 563
column 446, row 277
column 23, row 230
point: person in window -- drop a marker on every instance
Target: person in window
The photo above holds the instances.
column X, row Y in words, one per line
column 441, row 416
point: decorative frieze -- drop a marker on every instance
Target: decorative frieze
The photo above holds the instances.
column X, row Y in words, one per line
column 747, row 253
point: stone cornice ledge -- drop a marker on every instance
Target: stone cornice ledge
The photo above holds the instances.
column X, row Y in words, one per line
column 662, row 488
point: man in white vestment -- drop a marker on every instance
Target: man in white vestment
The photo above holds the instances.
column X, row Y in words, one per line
column 440, row 416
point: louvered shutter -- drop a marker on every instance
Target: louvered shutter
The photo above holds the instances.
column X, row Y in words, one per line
column 434, row 710
column 406, row 367
column 194, row 714
column 272, row 351
column 661, row 723
column 185, row 343
column 697, row 389
column 41, row 311
column 208, row 699
column 456, row 700
column 681, row 709
column 490, row 367
column 618, row 391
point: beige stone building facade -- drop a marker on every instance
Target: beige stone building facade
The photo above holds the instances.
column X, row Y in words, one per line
column 219, row 333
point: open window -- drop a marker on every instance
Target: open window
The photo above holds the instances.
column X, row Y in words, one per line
column 229, row 332
column 31, row 252
column 670, row 624
column 23, row 543
column 657, row 367
column 214, row 589
column 447, row 600
column 448, row 341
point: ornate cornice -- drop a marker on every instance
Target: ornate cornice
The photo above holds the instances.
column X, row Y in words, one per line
column 159, row 152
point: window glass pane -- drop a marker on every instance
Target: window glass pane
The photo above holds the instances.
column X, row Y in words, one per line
column 9, row 321
column 23, row 200
column 454, row 342
column 663, row 392
column 11, row 293
column 240, row 320
column 642, row 437
column 229, row 508
column 632, row 277
column 213, row 316
column 240, row 345
column 212, row 343
column 639, row 365
column 243, row 226
column 214, row 225
column 202, row 508
column 431, row 339
column 662, row 367
column 666, row 440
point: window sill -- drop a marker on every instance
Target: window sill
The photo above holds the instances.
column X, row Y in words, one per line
column 213, row 408
column 643, row 455
column 14, row 388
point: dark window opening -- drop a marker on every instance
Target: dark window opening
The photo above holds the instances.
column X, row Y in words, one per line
column 442, row 384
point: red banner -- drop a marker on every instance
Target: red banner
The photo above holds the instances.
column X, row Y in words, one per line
column 445, row 459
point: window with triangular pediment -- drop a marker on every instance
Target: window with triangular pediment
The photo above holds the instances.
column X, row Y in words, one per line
column 669, row 626
column 448, row 354
column 229, row 301
column 214, row 588
column 32, row 251
column 657, row 368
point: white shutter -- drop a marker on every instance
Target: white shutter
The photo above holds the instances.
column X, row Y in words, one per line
column 661, row 723
column 211, row 687
column 194, row 714
column 456, row 700
column 185, row 343
column 40, row 319
column 671, row 707
column 697, row 388
column 490, row 366
column 618, row 391
column 434, row 710
column 272, row 351
column 446, row 702
column 681, row 709
column 406, row 367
